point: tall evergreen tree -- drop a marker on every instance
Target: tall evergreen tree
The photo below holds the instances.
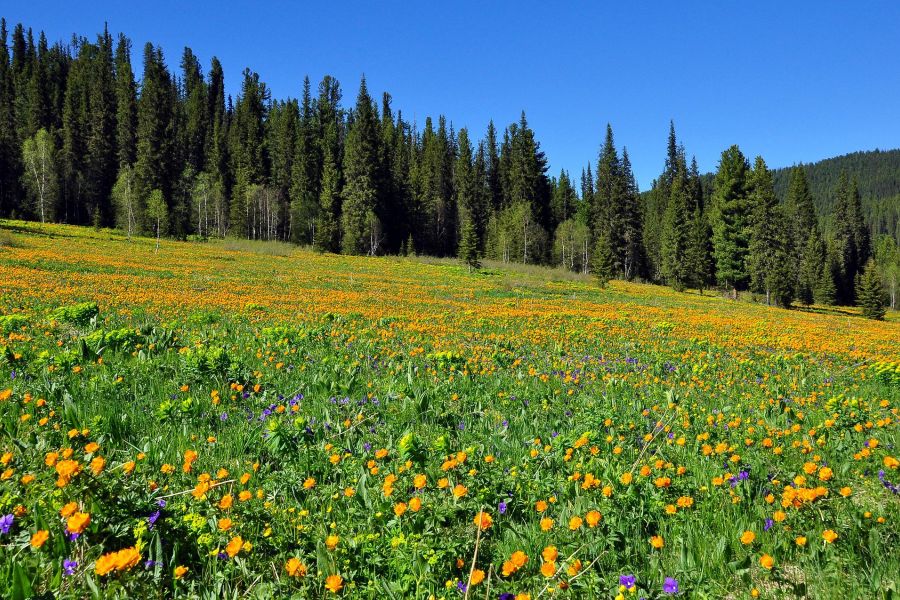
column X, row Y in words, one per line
column 676, row 235
column 869, row 292
column 768, row 256
column 851, row 238
column 729, row 218
column 10, row 165
column 361, row 229
column 126, row 104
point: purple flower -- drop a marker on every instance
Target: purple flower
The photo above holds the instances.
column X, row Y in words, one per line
column 6, row 522
column 670, row 585
column 461, row 586
column 223, row 416
column 507, row 596
column 151, row 520
column 627, row 581
column 367, row 446
column 501, row 508
column 69, row 567
column 768, row 525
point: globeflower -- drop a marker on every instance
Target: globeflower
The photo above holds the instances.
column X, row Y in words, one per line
column 334, row 583
column 78, row 522
column 38, row 539
column 766, row 561
column 483, row 520
column 829, row 536
column 295, row 568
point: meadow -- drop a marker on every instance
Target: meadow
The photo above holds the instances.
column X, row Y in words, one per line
column 229, row 419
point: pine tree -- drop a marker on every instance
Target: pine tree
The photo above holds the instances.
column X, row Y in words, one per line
column 767, row 256
column 361, row 231
column 126, row 104
column 10, row 166
column 826, row 289
column 851, row 238
column 729, row 218
column 468, row 246
column 869, row 293
column 631, row 250
column 811, row 267
column 602, row 260
column 676, row 234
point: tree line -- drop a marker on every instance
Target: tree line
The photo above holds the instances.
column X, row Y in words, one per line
column 83, row 142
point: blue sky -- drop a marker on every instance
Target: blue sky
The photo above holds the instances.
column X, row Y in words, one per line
column 792, row 81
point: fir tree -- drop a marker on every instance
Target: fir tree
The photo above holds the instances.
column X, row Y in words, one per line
column 126, row 104
column 602, row 260
column 767, row 256
column 676, row 234
column 468, row 246
column 360, row 227
column 869, row 293
column 729, row 219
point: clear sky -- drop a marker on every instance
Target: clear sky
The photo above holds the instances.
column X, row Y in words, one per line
column 790, row 80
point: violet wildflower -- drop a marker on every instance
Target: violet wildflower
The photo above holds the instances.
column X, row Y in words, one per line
column 6, row 521
column 670, row 585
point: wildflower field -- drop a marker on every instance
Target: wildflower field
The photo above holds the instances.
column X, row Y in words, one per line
column 222, row 419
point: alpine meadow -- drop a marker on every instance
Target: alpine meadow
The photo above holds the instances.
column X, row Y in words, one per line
column 320, row 347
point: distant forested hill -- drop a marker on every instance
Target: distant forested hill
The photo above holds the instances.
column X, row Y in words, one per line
column 877, row 173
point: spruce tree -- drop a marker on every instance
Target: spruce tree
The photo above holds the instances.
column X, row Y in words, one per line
column 851, row 237
column 468, row 246
column 126, row 104
column 767, row 256
column 361, row 231
column 729, row 218
column 869, row 293
column 602, row 260
column 676, row 234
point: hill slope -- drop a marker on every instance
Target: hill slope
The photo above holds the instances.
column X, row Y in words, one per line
column 877, row 173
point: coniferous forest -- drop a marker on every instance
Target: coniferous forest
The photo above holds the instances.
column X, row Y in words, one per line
column 82, row 141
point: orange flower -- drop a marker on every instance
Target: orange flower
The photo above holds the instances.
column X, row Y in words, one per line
column 546, row 524
column 225, row 502
column 747, row 537
column 574, row 568
column 575, row 522
column 593, row 517
column 92, row 447
column 419, row 481
column 180, row 571
column 78, row 522
column 477, row 577
column 234, row 546
column 548, row 569
column 800, row 540
column 483, row 520
column 224, row 524
column 829, row 536
column 415, row 504
column 38, row 539
column 657, row 541
column 68, row 509
column 766, row 561
column 334, row 583
column 400, row 508
column 626, row 478
column 295, row 568
column 550, row 554
column 460, row 490
column 331, row 542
